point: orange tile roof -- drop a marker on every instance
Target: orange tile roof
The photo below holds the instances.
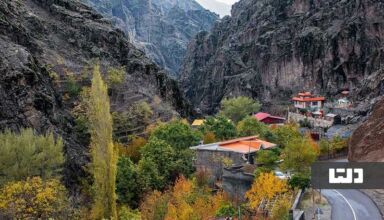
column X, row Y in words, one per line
column 240, row 145
column 245, row 145
column 305, row 99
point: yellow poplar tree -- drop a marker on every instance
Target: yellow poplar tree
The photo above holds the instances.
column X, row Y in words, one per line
column 103, row 153
column 266, row 186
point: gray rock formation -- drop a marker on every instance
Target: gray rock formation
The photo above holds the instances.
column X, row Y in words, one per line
column 270, row 49
column 162, row 28
column 37, row 36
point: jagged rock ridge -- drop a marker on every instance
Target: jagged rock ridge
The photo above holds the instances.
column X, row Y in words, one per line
column 37, row 36
column 270, row 49
column 162, row 28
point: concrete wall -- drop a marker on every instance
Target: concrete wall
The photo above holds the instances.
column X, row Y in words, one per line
column 314, row 121
column 236, row 183
column 210, row 161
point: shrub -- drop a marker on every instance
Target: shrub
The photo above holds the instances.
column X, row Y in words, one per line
column 72, row 87
column 34, row 199
column 226, row 210
column 299, row 181
column 209, row 138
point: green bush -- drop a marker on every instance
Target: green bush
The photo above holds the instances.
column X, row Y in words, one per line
column 72, row 87
column 128, row 187
column 226, row 210
column 299, row 181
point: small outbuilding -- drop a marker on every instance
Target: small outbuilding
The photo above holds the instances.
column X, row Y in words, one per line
column 269, row 119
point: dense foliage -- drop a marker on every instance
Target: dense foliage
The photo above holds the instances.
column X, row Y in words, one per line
column 103, row 152
column 34, row 198
column 238, row 108
column 335, row 145
column 220, row 126
column 265, row 187
column 128, row 183
column 25, row 155
column 299, row 154
column 250, row 126
column 184, row 201
column 177, row 134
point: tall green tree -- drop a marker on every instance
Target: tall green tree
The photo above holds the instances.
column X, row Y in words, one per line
column 103, row 153
column 161, row 164
column 298, row 155
column 177, row 134
column 149, row 176
column 284, row 134
column 220, row 126
column 238, row 108
column 26, row 154
column 251, row 126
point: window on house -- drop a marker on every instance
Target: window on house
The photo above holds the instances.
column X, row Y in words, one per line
column 314, row 103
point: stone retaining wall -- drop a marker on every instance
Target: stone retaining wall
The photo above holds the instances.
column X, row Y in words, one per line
column 314, row 121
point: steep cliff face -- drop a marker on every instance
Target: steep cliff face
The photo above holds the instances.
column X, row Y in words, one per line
column 270, row 49
column 367, row 142
column 38, row 36
column 162, row 28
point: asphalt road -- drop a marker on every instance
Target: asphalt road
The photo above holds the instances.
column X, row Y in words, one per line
column 350, row 204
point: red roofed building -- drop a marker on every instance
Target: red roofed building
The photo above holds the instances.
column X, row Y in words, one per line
column 306, row 100
column 269, row 119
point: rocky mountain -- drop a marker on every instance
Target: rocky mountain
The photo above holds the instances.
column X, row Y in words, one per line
column 162, row 28
column 218, row 7
column 43, row 44
column 270, row 49
column 366, row 143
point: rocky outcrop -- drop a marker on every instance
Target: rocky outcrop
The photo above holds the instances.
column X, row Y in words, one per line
column 39, row 36
column 367, row 142
column 162, row 28
column 270, row 49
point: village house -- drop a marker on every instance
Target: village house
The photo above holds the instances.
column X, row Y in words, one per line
column 269, row 119
column 209, row 157
column 306, row 100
